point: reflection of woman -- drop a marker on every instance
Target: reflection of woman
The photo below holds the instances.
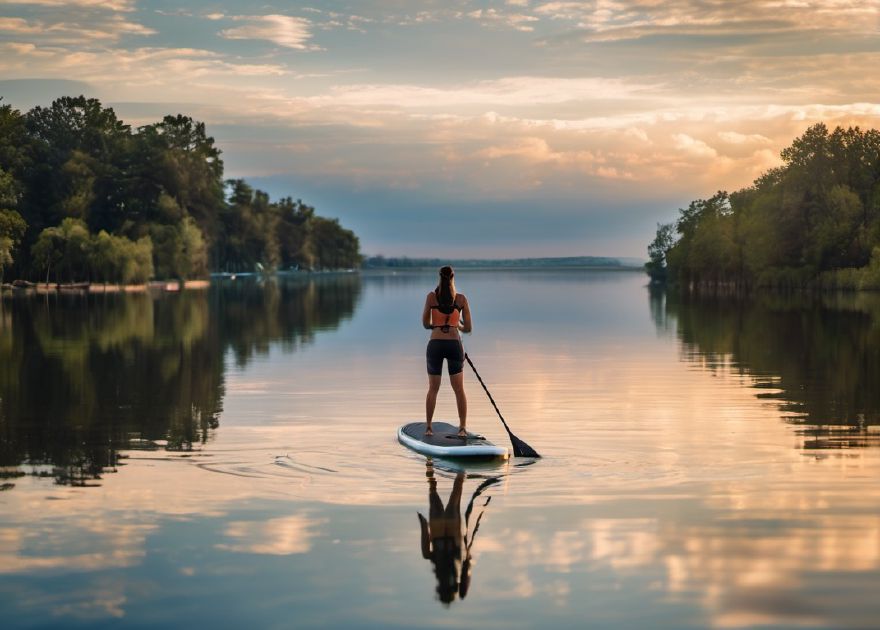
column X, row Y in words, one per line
column 445, row 314
column 443, row 542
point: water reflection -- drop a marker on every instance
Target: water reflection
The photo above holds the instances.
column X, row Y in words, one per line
column 286, row 310
column 668, row 491
column 83, row 376
column 817, row 355
column 443, row 540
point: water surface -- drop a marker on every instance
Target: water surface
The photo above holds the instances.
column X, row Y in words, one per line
column 707, row 462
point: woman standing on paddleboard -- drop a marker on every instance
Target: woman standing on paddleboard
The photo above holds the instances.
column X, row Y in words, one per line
column 446, row 315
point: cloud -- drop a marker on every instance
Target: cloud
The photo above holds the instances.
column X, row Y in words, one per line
column 518, row 21
column 110, row 5
column 283, row 30
column 140, row 70
column 506, row 91
column 692, row 146
column 537, row 151
column 565, row 10
column 611, row 20
column 19, row 26
column 104, row 29
column 734, row 137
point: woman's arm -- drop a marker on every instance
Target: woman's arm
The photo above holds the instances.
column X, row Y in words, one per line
column 467, row 324
column 426, row 312
column 426, row 537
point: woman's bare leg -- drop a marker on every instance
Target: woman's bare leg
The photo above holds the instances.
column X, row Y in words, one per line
column 457, row 381
column 431, row 401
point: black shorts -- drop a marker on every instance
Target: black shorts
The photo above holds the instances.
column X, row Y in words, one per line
column 449, row 349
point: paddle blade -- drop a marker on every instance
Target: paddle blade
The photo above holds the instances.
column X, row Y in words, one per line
column 520, row 448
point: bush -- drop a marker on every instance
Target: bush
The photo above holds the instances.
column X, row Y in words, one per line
column 840, row 279
column 871, row 274
column 103, row 257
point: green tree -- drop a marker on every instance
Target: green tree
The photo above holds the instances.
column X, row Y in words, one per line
column 333, row 246
column 250, row 227
column 194, row 253
column 294, row 227
column 5, row 255
column 837, row 239
column 179, row 250
column 118, row 259
column 181, row 162
column 80, row 149
column 13, row 161
column 658, row 249
column 12, row 228
column 67, row 247
column 48, row 250
column 136, row 262
column 12, row 225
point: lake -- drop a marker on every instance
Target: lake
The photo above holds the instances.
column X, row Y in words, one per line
column 202, row 457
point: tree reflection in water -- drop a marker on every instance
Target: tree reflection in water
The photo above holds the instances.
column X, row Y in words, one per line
column 84, row 376
column 443, row 541
column 819, row 355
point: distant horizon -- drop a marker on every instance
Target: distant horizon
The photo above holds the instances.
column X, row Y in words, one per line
column 453, row 259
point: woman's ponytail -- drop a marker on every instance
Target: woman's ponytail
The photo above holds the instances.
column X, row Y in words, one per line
column 444, row 289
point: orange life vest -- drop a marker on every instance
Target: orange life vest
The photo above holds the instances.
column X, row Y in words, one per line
column 443, row 320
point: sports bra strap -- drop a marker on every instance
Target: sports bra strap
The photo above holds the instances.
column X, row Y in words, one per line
column 455, row 305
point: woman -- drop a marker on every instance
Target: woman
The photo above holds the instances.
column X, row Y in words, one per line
column 446, row 314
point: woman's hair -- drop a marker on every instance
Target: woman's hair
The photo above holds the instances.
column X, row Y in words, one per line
column 444, row 289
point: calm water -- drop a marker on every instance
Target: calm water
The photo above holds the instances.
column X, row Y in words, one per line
column 199, row 458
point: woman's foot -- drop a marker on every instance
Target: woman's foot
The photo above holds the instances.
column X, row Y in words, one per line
column 429, row 431
column 462, row 432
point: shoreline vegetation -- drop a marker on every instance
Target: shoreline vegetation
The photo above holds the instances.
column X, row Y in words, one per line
column 21, row 286
column 811, row 224
column 85, row 200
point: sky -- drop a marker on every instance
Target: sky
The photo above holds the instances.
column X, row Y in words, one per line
column 469, row 129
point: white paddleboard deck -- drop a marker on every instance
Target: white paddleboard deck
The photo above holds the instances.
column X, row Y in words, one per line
column 446, row 443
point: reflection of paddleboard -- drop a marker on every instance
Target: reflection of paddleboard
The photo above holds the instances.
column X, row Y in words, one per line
column 446, row 443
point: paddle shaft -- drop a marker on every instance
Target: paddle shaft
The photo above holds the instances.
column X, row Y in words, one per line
column 520, row 448
column 488, row 393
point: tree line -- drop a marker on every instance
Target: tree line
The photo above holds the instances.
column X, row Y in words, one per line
column 812, row 222
column 84, row 197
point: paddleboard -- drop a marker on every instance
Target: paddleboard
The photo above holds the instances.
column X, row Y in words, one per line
column 446, row 443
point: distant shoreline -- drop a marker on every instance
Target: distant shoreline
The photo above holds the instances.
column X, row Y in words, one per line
column 490, row 267
column 173, row 286
column 561, row 262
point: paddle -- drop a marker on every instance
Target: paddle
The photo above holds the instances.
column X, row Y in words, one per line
column 520, row 448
